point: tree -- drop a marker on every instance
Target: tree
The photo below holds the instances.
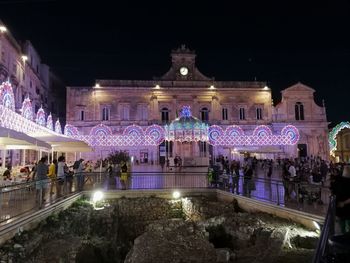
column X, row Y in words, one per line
column 118, row 157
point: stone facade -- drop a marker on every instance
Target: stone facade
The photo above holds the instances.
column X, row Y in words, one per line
column 20, row 63
column 120, row 103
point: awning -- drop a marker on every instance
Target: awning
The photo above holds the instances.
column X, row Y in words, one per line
column 11, row 139
column 64, row 143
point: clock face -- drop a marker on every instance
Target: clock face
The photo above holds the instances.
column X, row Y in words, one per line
column 183, row 71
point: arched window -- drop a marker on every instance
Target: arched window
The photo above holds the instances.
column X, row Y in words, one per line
column 105, row 113
column 165, row 115
column 204, row 113
column 299, row 111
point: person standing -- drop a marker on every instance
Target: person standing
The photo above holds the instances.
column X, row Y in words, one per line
column 340, row 188
column 60, row 175
column 42, row 182
column 80, row 175
column 52, row 175
column 124, row 176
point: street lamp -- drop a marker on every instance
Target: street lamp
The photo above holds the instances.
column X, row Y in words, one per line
column 212, row 87
column 3, row 29
column 24, row 58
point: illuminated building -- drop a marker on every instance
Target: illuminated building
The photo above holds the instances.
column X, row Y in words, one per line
column 143, row 117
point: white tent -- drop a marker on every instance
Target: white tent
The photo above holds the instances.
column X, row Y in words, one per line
column 62, row 143
column 11, row 139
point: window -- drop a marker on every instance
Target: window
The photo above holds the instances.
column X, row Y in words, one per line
column 105, row 114
column 202, row 148
column 82, row 115
column 224, row 114
column 258, row 113
column 30, row 84
column 143, row 112
column 37, row 68
column 299, row 111
column 165, row 115
column 125, row 112
column 204, row 113
column 15, row 68
column 241, row 114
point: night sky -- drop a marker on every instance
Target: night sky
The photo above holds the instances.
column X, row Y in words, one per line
column 276, row 42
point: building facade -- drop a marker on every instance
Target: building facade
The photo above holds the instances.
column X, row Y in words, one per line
column 238, row 108
column 22, row 67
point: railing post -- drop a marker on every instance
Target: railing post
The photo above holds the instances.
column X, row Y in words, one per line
column 278, row 194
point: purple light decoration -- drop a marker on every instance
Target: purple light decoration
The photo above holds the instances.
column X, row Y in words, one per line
column 234, row 130
column 186, row 112
column 134, row 130
column 27, row 109
column 292, row 132
column 7, row 97
column 262, row 130
column 215, row 133
column 101, row 130
column 156, row 132
column 58, row 128
column 40, row 117
column 71, row 130
column 49, row 123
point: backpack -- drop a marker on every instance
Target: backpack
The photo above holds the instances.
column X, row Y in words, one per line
column 76, row 165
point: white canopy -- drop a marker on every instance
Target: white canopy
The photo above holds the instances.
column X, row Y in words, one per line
column 11, row 139
column 64, row 143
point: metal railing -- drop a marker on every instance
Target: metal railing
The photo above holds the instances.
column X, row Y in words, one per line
column 322, row 250
column 17, row 199
column 21, row 198
column 296, row 195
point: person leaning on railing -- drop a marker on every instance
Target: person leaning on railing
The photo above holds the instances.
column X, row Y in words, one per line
column 41, row 178
column 60, row 175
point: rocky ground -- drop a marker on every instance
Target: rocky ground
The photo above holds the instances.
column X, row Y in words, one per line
column 142, row 230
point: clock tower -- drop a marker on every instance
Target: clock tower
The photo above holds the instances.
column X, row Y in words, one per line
column 183, row 66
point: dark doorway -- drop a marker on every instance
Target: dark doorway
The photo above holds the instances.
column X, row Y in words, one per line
column 302, row 149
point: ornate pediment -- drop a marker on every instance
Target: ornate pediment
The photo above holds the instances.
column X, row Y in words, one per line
column 299, row 87
column 184, row 66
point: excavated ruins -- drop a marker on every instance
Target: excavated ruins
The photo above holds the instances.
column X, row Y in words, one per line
column 152, row 229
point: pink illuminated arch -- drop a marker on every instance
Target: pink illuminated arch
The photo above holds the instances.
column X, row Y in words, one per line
column 49, row 122
column 40, row 117
column 101, row 130
column 27, row 109
column 7, row 97
column 71, row 130
column 58, row 128
column 133, row 130
column 262, row 130
column 234, row 130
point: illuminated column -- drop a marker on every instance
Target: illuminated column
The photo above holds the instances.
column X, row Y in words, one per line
column 23, row 157
column 3, row 157
column 75, row 156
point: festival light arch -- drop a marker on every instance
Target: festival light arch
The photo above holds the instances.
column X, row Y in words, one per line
column 58, row 127
column 333, row 135
column 27, row 109
column 7, row 98
column 49, row 122
column 40, row 117
column 71, row 130
column 101, row 130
